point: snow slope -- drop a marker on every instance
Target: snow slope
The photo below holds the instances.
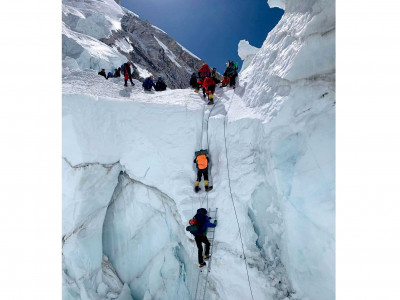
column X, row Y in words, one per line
column 128, row 176
column 100, row 34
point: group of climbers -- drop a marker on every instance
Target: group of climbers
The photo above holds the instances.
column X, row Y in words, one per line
column 200, row 222
column 126, row 71
column 117, row 73
column 207, row 79
column 159, row 86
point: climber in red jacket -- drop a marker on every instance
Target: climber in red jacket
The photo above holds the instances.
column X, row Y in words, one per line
column 209, row 86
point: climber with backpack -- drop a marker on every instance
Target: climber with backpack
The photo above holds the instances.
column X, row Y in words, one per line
column 209, row 86
column 214, row 75
column 230, row 74
column 201, row 162
column 198, row 227
column 233, row 75
column 160, row 85
column 102, row 73
column 148, row 84
column 117, row 72
column 126, row 70
column 193, row 82
column 203, row 72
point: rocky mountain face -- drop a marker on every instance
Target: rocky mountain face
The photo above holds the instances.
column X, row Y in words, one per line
column 110, row 35
column 154, row 50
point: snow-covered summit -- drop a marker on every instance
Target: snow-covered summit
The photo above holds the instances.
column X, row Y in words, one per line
column 101, row 34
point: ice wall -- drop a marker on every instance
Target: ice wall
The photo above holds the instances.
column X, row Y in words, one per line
column 290, row 86
column 246, row 53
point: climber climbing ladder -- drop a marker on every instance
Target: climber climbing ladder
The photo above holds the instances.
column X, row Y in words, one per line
column 202, row 278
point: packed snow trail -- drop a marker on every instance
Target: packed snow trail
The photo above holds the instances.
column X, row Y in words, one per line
column 201, row 282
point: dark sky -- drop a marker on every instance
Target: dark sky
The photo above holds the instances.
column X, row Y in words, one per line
column 211, row 29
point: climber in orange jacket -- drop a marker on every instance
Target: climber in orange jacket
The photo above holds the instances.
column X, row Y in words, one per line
column 209, row 87
column 201, row 162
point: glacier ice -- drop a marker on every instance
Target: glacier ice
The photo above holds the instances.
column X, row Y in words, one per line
column 246, row 52
column 128, row 174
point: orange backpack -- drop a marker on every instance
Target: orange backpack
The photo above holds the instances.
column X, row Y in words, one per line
column 202, row 161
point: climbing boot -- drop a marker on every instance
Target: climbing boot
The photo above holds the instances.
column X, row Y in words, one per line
column 206, row 257
column 196, row 90
column 210, row 97
column 196, row 187
column 208, row 188
column 211, row 102
column 203, row 264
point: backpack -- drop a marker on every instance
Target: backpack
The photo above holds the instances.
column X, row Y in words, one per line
column 199, row 219
column 205, row 70
column 235, row 66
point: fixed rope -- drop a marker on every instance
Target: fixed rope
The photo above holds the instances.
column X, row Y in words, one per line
column 233, row 202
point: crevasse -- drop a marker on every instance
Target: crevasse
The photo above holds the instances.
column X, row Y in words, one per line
column 128, row 176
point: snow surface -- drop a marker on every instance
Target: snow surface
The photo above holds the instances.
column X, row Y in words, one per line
column 124, row 45
column 128, row 176
column 88, row 17
column 142, row 71
column 81, row 51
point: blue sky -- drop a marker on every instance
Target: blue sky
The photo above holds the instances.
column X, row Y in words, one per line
column 211, row 29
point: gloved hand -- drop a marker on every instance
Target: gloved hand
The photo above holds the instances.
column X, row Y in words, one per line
column 215, row 222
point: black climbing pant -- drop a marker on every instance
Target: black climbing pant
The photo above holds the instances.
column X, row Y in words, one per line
column 200, row 239
column 130, row 79
column 204, row 173
column 232, row 81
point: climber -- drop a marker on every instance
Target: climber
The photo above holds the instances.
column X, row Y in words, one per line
column 103, row 73
column 198, row 227
column 117, row 72
column 209, row 86
column 126, row 70
column 234, row 74
column 204, row 71
column 230, row 74
column 148, row 83
column 109, row 75
column 193, row 82
column 201, row 162
column 214, row 75
column 200, row 84
column 160, row 85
